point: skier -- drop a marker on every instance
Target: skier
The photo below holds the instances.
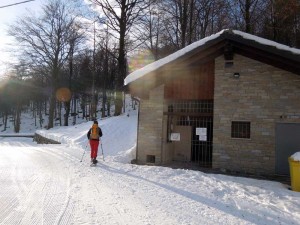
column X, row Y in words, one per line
column 93, row 135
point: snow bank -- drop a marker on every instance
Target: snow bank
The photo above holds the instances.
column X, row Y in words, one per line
column 296, row 156
column 118, row 140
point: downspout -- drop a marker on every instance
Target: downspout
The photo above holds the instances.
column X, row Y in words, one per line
column 137, row 133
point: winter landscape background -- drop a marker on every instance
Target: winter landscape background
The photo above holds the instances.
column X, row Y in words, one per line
column 47, row 184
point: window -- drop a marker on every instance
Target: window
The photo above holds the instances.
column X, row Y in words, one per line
column 240, row 129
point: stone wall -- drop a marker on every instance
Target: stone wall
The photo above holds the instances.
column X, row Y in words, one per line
column 42, row 140
column 262, row 95
column 167, row 147
column 150, row 126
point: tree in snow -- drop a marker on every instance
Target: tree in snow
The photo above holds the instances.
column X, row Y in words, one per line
column 120, row 17
column 47, row 42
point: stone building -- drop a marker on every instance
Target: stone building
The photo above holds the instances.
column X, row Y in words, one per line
column 230, row 101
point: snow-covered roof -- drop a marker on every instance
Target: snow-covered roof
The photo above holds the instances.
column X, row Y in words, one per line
column 267, row 42
column 160, row 63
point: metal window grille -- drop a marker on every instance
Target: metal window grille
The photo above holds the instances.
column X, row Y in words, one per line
column 201, row 152
column 240, row 129
column 191, row 106
column 197, row 114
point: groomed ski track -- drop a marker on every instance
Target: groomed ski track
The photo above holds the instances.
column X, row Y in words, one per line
column 46, row 185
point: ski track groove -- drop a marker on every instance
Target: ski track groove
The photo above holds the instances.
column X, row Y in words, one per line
column 41, row 197
column 8, row 196
column 60, row 208
column 55, row 193
column 54, row 187
column 117, row 203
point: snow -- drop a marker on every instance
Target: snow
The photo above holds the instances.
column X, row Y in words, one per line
column 157, row 64
column 296, row 156
column 47, row 184
column 267, row 42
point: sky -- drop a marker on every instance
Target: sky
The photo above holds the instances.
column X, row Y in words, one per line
column 7, row 16
column 48, row 184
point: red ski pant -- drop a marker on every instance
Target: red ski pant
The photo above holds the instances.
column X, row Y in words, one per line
column 94, row 148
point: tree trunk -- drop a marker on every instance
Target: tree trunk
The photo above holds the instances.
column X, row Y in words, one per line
column 247, row 16
column 45, row 107
column 108, row 104
column 121, row 67
column 74, row 110
column 82, row 106
column 40, row 114
column 103, row 103
column 118, row 103
column 94, row 104
column 5, row 120
column 68, row 103
column 191, row 20
column 17, row 119
column 183, row 21
column 59, row 115
column 51, row 110
column 34, row 110
column 67, row 113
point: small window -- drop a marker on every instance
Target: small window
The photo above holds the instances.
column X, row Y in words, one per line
column 240, row 129
column 150, row 159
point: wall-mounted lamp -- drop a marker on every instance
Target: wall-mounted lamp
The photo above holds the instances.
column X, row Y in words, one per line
column 236, row 75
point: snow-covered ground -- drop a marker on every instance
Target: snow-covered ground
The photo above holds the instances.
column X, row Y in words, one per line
column 47, row 184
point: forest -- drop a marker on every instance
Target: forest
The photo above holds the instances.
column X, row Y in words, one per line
column 73, row 57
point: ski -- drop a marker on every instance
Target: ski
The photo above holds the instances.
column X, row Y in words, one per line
column 94, row 162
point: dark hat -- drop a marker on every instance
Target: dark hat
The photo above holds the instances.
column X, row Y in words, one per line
column 95, row 122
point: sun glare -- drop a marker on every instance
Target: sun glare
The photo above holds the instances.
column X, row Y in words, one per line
column 63, row 94
column 140, row 60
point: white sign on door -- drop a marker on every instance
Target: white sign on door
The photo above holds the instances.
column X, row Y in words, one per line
column 202, row 133
column 175, row 137
column 202, row 138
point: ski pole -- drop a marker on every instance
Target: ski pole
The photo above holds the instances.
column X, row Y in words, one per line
column 84, row 152
column 102, row 150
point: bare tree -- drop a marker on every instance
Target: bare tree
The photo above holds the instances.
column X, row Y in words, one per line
column 186, row 21
column 45, row 41
column 149, row 31
column 282, row 21
column 177, row 20
column 219, row 18
column 75, row 39
column 120, row 17
column 246, row 14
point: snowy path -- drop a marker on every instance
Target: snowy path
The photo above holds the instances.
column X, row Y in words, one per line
column 47, row 184
column 43, row 185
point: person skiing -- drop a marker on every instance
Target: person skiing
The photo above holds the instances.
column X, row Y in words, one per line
column 94, row 135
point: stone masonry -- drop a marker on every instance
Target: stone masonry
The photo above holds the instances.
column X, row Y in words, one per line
column 150, row 126
column 262, row 95
column 42, row 140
